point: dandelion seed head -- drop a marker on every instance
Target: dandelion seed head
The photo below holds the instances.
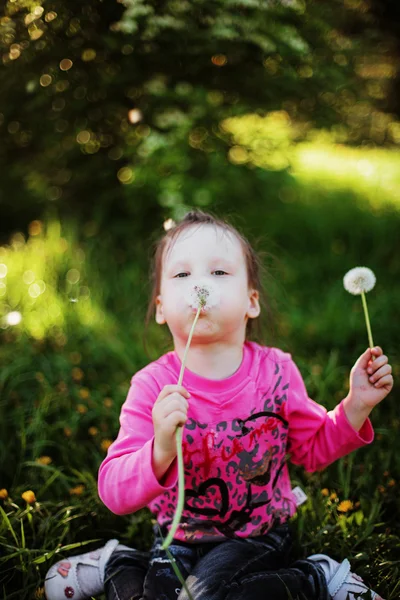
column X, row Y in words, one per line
column 202, row 293
column 359, row 280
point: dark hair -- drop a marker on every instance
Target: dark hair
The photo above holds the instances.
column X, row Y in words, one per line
column 256, row 271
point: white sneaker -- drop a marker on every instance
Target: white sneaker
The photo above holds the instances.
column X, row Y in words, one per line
column 79, row 577
column 342, row 584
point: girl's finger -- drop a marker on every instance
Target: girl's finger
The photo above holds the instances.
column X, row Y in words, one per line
column 172, row 389
column 385, row 370
column 376, row 351
column 177, row 418
column 378, row 362
column 167, row 408
column 386, row 380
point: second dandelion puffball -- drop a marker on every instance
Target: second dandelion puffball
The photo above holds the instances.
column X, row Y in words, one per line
column 359, row 280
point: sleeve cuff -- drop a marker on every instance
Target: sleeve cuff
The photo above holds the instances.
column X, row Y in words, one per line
column 170, row 477
column 364, row 436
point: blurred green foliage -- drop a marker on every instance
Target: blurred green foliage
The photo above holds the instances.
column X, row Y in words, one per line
column 107, row 108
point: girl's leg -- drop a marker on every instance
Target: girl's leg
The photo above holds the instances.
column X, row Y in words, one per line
column 161, row 582
column 134, row 575
column 256, row 568
column 125, row 573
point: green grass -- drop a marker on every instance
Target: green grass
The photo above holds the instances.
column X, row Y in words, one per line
column 66, row 367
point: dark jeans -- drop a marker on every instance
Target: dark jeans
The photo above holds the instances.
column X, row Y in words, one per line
column 240, row 569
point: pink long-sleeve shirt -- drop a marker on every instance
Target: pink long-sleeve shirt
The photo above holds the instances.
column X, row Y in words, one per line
column 238, row 437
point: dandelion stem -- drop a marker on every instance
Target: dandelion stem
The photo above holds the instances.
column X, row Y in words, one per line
column 179, row 431
column 176, row 568
column 364, row 301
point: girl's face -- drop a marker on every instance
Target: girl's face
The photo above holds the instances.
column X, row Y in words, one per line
column 215, row 256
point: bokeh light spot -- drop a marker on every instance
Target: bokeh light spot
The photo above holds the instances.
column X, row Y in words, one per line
column 238, row 155
column 50, row 16
column 66, row 64
column 35, row 33
column 219, row 60
column 34, row 290
column 45, row 80
column 83, row 137
column 13, row 318
column 42, row 286
column 15, row 52
column 168, row 224
column 135, row 115
column 125, row 175
column 88, row 54
column 35, row 228
column 73, row 276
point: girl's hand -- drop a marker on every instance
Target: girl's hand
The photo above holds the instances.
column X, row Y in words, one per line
column 370, row 380
column 169, row 411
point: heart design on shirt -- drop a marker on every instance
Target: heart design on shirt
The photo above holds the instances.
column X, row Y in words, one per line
column 64, row 568
column 201, row 494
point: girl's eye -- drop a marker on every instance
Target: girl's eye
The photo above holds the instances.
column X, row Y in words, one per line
column 185, row 274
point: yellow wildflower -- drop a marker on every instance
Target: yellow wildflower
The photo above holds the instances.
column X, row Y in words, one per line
column 107, row 402
column 84, row 393
column 67, row 431
column 105, row 444
column 81, row 408
column 381, row 489
column 345, row 506
column 44, row 460
column 391, row 482
column 3, row 494
column 39, row 593
column 29, row 497
column 77, row 374
column 77, row 490
column 62, row 386
column 333, row 496
column 93, row 431
column 325, row 492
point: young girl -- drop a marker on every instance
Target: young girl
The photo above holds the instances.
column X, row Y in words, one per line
column 243, row 407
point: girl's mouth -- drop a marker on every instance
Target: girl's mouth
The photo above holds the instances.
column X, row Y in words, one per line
column 202, row 310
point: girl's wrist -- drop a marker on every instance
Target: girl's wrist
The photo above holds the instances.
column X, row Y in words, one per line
column 161, row 461
column 356, row 411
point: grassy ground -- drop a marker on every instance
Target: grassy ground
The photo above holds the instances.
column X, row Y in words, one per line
column 65, row 370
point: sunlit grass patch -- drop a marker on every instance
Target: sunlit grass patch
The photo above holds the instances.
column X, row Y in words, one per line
column 44, row 285
column 374, row 174
column 274, row 142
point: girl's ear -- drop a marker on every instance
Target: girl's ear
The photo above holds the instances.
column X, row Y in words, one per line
column 159, row 311
column 254, row 305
